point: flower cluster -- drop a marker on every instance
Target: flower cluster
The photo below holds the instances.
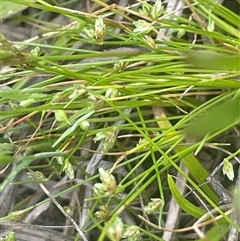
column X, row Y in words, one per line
column 108, row 185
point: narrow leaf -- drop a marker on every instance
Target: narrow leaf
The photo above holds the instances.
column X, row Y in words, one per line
column 187, row 206
column 217, row 232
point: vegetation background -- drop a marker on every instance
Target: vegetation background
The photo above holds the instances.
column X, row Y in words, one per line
column 114, row 115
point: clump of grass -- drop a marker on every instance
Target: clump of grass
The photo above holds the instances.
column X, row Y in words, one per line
column 114, row 90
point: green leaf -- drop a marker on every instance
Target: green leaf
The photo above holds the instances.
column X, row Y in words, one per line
column 236, row 205
column 206, row 59
column 184, row 203
column 5, row 160
column 217, row 232
column 73, row 127
column 8, row 8
column 217, row 118
column 25, row 161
